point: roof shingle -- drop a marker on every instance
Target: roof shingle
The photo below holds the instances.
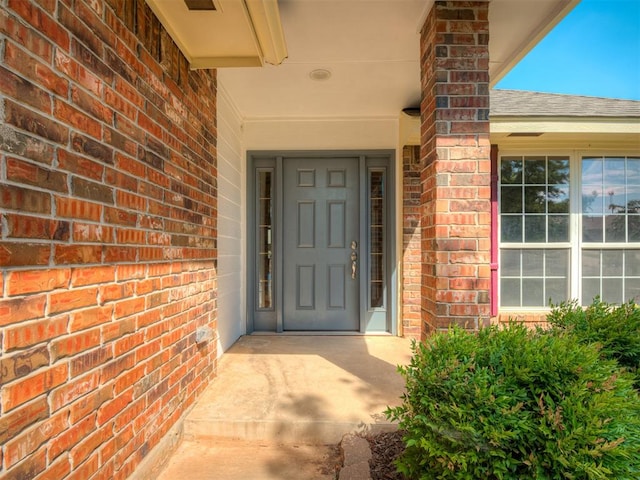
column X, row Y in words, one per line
column 517, row 103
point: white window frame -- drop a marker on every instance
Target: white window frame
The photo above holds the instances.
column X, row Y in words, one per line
column 575, row 244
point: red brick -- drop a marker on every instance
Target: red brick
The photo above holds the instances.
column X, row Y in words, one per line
column 26, row 443
column 72, row 300
column 130, row 236
column 93, row 233
column 20, row 254
column 71, row 391
column 80, row 165
column 110, row 409
column 129, row 378
column 25, row 389
column 93, row 275
column 115, row 367
column 22, row 363
column 25, row 200
column 78, row 209
column 33, row 122
column 119, row 103
column 90, row 403
column 17, row 87
column 77, row 254
column 91, row 105
column 72, row 436
column 88, row 467
column 116, row 291
column 90, row 317
column 31, row 281
column 27, row 334
column 89, row 360
column 56, row 470
column 34, row 69
column 75, row 118
column 31, row 467
column 22, row 226
column 128, row 343
column 130, row 272
column 11, row 424
column 27, row 37
column 41, row 22
column 76, row 343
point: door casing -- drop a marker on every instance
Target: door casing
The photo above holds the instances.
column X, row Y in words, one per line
column 371, row 320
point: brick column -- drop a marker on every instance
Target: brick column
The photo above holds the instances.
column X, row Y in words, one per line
column 411, row 238
column 455, row 160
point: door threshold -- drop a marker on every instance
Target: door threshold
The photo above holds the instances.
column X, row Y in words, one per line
column 305, row 333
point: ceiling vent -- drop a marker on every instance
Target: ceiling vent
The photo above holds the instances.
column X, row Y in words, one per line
column 525, row 134
column 200, row 5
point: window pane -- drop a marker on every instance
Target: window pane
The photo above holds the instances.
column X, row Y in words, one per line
column 557, row 263
column 632, row 290
column 633, row 199
column 590, row 290
column 591, row 263
column 592, row 229
column 535, row 199
column 615, row 228
column 534, row 228
column 592, row 199
column 614, row 171
column 612, row 290
column 619, row 277
column 558, row 228
column 511, row 200
column 632, row 263
column 633, row 171
column 591, row 170
column 557, row 290
column 558, row 199
column 511, row 170
column 559, row 170
column 611, row 263
column 510, row 292
column 535, row 171
column 532, row 262
column 510, row 263
column 634, row 228
column 511, row 228
column 543, row 277
column 533, row 292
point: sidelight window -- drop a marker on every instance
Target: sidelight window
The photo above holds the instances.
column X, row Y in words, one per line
column 377, row 238
column 264, row 242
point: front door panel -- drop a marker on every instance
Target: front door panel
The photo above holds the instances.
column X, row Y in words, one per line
column 321, row 231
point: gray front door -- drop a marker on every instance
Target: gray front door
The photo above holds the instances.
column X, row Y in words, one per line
column 321, row 235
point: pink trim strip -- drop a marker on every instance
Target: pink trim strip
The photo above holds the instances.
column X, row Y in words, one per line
column 493, row 293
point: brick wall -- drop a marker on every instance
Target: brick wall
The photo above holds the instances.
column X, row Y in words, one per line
column 456, row 167
column 107, row 236
column 411, row 234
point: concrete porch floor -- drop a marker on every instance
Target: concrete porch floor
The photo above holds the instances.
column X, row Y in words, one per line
column 280, row 404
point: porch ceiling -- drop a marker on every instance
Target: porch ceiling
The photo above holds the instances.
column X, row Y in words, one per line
column 371, row 48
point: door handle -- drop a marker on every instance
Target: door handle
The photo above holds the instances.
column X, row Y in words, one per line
column 354, row 259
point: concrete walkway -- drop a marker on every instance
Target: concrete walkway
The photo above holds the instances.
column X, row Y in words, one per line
column 281, row 404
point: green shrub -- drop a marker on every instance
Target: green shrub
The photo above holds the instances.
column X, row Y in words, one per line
column 516, row 404
column 615, row 328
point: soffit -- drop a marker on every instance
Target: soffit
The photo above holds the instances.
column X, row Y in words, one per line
column 371, row 48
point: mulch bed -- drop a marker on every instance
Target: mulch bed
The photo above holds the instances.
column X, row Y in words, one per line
column 385, row 448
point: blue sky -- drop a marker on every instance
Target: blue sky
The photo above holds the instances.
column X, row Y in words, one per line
column 594, row 50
